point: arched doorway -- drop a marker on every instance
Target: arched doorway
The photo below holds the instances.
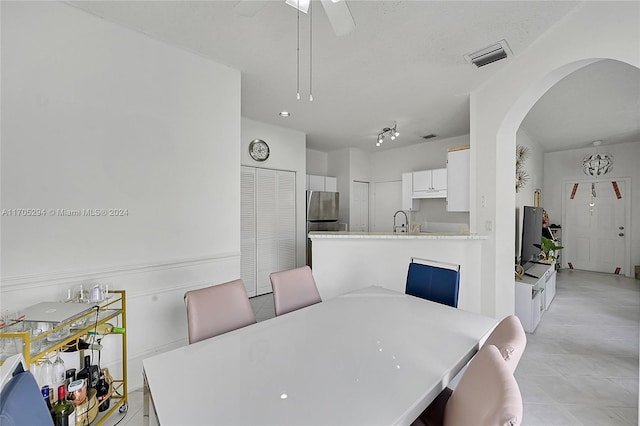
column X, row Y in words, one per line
column 497, row 110
column 497, row 287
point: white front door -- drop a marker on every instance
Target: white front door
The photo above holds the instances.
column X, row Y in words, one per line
column 360, row 207
column 594, row 234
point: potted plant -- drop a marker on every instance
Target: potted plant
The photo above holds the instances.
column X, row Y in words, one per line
column 549, row 250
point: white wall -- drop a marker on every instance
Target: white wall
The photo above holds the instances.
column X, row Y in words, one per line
column 287, row 152
column 316, row 162
column 98, row 116
column 561, row 167
column 348, row 165
column 500, row 105
column 534, row 167
column 359, row 170
column 359, row 165
column 338, row 166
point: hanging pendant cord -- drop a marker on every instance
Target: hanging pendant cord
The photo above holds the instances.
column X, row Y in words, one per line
column 298, row 57
column 310, row 50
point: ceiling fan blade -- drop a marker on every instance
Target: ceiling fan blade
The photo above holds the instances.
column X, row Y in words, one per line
column 303, row 5
column 248, row 8
column 339, row 16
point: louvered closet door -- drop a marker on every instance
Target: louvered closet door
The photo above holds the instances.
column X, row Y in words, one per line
column 286, row 237
column 248, row 229
column 268, row 226
column 276, row 230
column 267, row 230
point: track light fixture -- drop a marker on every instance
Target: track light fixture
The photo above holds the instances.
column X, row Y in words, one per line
column 392, row 132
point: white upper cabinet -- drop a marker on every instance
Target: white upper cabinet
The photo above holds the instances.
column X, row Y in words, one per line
column 439, row 180
column 422, row 181
column 331, row 184
column 316, row 183
column 322, row 183
column 458, row 179
column 430, row 183
column 408, row 202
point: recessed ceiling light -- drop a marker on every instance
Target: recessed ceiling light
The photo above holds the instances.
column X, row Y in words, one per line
column 284, row 114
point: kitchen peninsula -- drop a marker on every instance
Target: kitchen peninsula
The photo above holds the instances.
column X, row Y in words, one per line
column 347, row 261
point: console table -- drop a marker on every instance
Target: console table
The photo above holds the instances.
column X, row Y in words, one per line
column 534, row 295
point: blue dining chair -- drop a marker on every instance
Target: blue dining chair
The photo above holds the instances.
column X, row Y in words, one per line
column 436, row 283
column 21, row 402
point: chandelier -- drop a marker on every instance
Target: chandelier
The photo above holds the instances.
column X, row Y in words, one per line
column 597, row 164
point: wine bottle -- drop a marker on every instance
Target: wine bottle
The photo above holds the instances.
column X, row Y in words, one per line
column 63, row 412
column 80, row 344
column 46, row 396
column 102, row 391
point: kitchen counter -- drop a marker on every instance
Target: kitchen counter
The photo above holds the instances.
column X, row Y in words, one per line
column 397, row 235
column 347, row 261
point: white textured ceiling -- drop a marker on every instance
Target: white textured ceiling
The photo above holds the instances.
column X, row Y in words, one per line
column 598, row 102
column 403, row 63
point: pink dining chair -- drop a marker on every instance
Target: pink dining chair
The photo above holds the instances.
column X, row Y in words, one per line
column 217, row 309
column 487, row 395
column 294, row 289
column 510, row 339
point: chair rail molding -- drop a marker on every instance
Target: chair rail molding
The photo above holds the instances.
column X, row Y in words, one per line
column 23, row 282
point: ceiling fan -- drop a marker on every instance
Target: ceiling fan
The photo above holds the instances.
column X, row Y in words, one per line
column 337, row 11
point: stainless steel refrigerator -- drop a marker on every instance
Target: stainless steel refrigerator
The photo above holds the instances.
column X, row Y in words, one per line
column 322, row 214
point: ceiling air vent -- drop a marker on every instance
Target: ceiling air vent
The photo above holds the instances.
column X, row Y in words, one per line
column 489, row 54
column 429, row 136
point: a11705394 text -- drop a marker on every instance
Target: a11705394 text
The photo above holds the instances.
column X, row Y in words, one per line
column 58, row 212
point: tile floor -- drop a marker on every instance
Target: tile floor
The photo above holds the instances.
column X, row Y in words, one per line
column 580, row 366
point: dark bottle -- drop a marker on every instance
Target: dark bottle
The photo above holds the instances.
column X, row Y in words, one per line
column 89, row 372
column 69, row 375
column 46, row 396
column 102, row 392
column 63, row 411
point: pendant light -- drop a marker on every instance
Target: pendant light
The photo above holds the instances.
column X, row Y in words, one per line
column 597, row 164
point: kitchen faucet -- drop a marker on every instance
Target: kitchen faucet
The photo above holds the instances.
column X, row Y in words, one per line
column 405, row 226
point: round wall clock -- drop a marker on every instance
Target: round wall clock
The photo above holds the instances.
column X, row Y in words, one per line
column 259, row 150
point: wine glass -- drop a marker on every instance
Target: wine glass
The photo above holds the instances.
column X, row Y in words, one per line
column 59, row 370
column 45, row 376
column 36, row 341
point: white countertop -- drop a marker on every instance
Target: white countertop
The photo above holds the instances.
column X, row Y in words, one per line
column 373, row 356
column 399, row 235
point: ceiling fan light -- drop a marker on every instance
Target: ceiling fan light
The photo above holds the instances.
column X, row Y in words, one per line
column 396, row 133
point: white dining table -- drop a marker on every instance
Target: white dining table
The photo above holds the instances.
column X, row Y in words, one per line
column 370, row 357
